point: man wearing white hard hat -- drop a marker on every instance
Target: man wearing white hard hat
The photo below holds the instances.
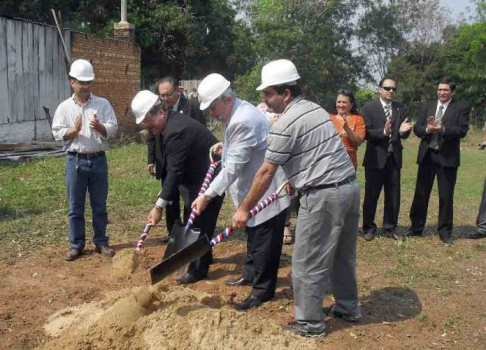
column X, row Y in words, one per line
column 85, row 122
column 185, row 148
column 243, row 151
column 306, row 145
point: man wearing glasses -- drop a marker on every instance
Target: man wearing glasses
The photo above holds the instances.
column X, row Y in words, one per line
column 386, row 124
column 167, row 89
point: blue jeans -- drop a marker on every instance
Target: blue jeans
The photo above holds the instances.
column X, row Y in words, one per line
column 87, row 175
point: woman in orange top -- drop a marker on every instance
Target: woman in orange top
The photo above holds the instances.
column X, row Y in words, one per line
column 349, row 124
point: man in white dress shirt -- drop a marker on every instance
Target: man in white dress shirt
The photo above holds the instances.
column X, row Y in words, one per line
column 243, row 152
column 84, row 122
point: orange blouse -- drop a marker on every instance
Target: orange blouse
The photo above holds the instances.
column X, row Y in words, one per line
column 355, row 123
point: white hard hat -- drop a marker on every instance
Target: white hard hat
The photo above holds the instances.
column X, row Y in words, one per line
column 82, row 70
column 142, row 103
column 211, row 88
column 277, row 73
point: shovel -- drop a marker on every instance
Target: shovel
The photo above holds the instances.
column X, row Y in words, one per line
column 181, row 236
column 202, row 245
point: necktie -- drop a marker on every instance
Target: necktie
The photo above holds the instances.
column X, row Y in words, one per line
column 387, row 112
column 388, row 117
column 434, row 142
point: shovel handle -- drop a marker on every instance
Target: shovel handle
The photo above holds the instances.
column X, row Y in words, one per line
column 204, row 187
column 144, row 235
column 258, row 208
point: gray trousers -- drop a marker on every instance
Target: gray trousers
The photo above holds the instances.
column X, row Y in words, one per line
column 324, row 257
column 481, row 220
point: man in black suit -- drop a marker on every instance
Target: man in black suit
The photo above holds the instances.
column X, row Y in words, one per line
column 386, row 124
column 440, row 124
column 167, row 89
column 185, row 148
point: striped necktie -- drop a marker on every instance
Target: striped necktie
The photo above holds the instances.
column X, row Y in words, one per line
column 434, row 142
column 388, row 117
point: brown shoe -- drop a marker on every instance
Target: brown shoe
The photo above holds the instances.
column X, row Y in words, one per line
column 105, row 250
column 73, row 254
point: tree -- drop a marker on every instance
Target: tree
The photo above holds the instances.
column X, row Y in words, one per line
column 315, row 35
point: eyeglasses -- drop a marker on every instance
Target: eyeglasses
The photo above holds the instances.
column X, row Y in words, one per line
column 389, row 88
column 166, row 95
column 345, row 91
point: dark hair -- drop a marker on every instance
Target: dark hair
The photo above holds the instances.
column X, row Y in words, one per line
column 294, row 89
column 352, row 99
column 449, row 82
column 380, row 84
column 172, row 81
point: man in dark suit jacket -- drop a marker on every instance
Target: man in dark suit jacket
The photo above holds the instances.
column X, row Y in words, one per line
column 386, row 124
column 167, row 89
column 440, row 124
column 185, row 148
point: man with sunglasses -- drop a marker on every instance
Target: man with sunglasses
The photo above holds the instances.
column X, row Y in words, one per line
column 84, row 122
column 386, row 125
column 243, row 152
column 185, row 149
column 167, row 89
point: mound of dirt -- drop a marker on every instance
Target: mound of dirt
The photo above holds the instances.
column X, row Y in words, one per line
column 163, row 318
column 125, row 262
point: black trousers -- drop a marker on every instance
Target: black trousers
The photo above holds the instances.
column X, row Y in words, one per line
column 481, row 220
column 173, row 211
column 376, row 179
column 206, row 223
column 264, row 246
column 446, row 181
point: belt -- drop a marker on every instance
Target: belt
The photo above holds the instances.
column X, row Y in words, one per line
column 346, row 181
column 87, row 155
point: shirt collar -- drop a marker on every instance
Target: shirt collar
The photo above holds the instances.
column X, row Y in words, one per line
column 176, row 105
column 294, row 101
column 443, row 104
column 384, row 104
column 81, row 104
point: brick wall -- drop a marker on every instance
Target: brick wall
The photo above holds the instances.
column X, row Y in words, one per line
column 117, row 73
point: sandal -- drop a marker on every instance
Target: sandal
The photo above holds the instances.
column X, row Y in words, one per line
column 287, row 238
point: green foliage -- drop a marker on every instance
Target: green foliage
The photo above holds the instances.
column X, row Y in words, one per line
column 315, row 35
column 364, row 96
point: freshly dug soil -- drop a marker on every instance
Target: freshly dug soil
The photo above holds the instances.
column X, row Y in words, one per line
column 165, row 318
column 125, row 262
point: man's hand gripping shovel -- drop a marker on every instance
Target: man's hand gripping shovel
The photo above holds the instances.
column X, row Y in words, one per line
column 202, row 245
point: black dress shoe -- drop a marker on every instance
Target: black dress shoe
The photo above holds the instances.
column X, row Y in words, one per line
column 396, row 235
column 165, row 239
column 412, row 233
column 446, row 240
column 73, row 254
column 249, row 303
column 189, row 279
column 476, row 235
column 105, row 250
column 369, row 236
column 238, row 282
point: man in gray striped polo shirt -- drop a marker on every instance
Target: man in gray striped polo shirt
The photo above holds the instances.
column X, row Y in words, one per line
column 305, row 143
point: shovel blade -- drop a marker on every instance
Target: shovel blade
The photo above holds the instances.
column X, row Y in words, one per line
column 180, row 237
column 179, row 259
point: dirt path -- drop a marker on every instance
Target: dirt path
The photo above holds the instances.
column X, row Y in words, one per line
column 49, row 303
